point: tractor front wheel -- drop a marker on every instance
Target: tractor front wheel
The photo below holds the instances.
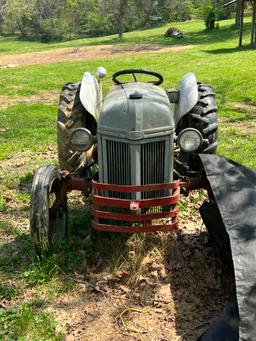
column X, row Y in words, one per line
column 48, row 215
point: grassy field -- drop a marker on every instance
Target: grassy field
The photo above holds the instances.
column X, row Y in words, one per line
column 194, row 32
column 34, row 294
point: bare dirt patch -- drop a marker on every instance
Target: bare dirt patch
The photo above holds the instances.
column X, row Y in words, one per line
column 44, row 97
column 163, row 284
column 251, row 108
column 83, row 53
column 245, row 126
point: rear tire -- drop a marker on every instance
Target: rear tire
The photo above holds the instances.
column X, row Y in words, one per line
column 71, row 115
column 203, row 117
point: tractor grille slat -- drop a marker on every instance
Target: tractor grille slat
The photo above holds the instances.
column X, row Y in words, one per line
column 152, row 166
column 123, row 168
column 119, row 163
column 119, row 166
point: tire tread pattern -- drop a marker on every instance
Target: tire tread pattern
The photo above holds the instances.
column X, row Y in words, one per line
column 71, row 115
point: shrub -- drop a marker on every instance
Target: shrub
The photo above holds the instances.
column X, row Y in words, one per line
column 173, row 32
column 210, row 20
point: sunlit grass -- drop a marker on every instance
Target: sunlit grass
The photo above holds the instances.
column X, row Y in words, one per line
column 193, row 30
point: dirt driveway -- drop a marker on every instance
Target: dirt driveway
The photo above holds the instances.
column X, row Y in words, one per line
column 83, row 53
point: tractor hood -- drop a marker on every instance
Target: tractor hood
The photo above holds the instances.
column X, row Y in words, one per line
column 135, row 110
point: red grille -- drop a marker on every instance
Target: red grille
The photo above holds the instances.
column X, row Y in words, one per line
column 135, row 215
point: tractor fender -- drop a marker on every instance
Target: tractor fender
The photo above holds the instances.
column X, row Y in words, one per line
column 188, row 96
column 91, row 95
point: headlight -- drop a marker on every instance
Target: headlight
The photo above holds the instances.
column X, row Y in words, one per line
column 81, row 139
column 190, row 140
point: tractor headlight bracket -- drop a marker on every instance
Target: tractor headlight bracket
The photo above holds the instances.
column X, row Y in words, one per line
column 81, row 139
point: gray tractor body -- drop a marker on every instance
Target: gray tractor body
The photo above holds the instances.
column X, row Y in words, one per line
column 135, row 129
column 133, row 153
column 135, row 136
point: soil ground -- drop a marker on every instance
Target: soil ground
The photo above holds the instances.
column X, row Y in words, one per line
column 170, row 286
column 43, row 97
column 83, row 53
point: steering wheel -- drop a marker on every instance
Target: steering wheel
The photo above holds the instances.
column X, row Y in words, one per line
column 134, row 71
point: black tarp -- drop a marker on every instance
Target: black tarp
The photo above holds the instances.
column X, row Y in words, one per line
column 233, row 216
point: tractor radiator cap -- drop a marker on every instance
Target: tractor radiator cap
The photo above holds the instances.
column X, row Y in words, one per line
column 136, row 95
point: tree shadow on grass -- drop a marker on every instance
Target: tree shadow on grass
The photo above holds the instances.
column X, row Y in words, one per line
column 231, row 50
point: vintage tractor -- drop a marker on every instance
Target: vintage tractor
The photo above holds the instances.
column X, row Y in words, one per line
column 131, row 153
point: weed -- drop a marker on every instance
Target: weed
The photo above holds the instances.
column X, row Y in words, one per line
column 23, row 321
column 7, row 262
column 36, row 303
column 3, row 205
column 7, row 291
column 41, row 271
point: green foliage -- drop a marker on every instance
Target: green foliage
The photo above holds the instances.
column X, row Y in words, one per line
column 41, row 271
column 63, row 260
column 52, row 29
column 222, row 13
column 23, row 322
column 56, row 20
column 3, row 205
column 204, row 8
column 99, row 25
column 210, row 20
column 171, row 11
column 210, row 10
column 8, row 291
column 19, row 15
column 206, row 11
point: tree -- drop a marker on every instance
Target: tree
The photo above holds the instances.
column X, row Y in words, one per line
column 238, row 12
column 53, row 20
column 119, row 10
column 3, row 5
column 19, row 15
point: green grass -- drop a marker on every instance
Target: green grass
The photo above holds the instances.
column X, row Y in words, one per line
column 232, row 74
column 26, row 127
column 238, row 146
column 194, row 32
column 19, row 322
column 214, row 60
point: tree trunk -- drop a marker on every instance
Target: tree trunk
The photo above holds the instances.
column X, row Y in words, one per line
column 121, row 16
column 241, row 24
column 253, row 37
column 3, row 4
column 120, row 28
column 22, row 29
column 238, row 13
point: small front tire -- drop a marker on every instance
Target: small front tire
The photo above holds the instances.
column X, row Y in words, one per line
column 48, row 213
